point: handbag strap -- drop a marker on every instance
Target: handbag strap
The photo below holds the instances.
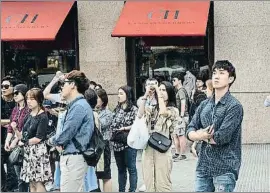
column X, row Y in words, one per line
column 77, row 144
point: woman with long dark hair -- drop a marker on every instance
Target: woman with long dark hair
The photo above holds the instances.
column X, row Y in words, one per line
column 162, row 120
column 123, row 117
column 36, row 165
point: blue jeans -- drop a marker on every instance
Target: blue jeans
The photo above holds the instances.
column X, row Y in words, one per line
column 223, row 183
column 90, row 180
column 57, row 176
column 126, row 159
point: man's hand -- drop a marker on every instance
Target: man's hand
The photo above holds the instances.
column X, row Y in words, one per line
column 206, row 133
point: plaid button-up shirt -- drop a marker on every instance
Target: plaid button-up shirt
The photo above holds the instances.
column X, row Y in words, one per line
column 226, row 116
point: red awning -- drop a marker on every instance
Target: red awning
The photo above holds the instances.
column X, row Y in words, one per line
column 32, row 20
column 162, row 18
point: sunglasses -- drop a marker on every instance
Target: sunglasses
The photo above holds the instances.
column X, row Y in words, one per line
column 174, row 80
column 62, row 83
column 5, row 86
column 16, row 92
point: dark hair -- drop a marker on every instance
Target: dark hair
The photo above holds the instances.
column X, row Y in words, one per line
column 80, row 80
column 91, row 97
column 225, row 65
column 98, row 86
column 171, row 93
column 93, row 83
column 13, row 81
column 103, row 96
column 130, row 97
column 180, row 76
column 37, row 94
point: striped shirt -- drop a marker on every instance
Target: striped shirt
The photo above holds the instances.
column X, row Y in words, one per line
column 226, row 116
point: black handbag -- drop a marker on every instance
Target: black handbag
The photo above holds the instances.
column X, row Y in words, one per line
column 120, row 137
column 16, row 156
column 159, row 142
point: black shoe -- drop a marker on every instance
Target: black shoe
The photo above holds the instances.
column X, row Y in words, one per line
column 175, row 156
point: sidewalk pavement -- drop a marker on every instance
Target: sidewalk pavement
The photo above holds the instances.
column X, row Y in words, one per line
column 254, row 173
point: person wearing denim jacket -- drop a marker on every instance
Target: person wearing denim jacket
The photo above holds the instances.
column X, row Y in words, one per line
column 78, row 124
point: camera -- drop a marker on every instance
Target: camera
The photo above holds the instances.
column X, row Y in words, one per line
column 152, row 83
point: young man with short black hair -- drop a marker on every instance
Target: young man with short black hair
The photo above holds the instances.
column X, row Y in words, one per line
column 218, row 123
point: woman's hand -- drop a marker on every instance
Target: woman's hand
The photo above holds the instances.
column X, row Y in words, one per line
column 7, row 146
column 13, row 125
column 21, row 143
column 147, row 91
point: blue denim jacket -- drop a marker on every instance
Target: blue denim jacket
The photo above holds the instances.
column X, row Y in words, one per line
column 79, row 123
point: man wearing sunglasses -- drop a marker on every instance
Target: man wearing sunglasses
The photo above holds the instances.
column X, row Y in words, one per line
column 9, row 181
column 78, row 125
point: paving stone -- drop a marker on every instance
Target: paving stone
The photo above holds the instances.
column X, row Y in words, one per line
column 254, row 174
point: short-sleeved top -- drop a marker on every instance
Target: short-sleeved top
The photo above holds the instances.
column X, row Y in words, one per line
column 36, row 126
column 182, row 95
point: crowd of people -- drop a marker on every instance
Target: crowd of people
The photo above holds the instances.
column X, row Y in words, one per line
column 45, row 126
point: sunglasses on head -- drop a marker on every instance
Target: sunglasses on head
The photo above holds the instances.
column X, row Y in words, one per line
column 62, row 83
column 5, row 86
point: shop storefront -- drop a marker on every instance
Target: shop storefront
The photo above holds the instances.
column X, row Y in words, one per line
column 41, row 37
column 163, row 38
column 146, row 45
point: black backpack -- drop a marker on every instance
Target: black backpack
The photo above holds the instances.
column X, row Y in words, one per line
column 95, row 147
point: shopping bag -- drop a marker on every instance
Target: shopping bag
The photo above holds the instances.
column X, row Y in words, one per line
column 138, row 135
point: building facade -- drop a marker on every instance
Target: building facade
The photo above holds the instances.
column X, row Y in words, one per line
column 82, row 39
column 241, row 35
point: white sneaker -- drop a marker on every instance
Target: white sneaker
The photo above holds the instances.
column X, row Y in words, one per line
column 142, row 188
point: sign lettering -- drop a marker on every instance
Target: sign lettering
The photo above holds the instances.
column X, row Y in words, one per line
column 163, row 14
column 21, row 18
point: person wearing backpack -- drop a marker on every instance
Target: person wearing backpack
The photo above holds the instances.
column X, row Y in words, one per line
column 78, row 125
column 182, row 103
